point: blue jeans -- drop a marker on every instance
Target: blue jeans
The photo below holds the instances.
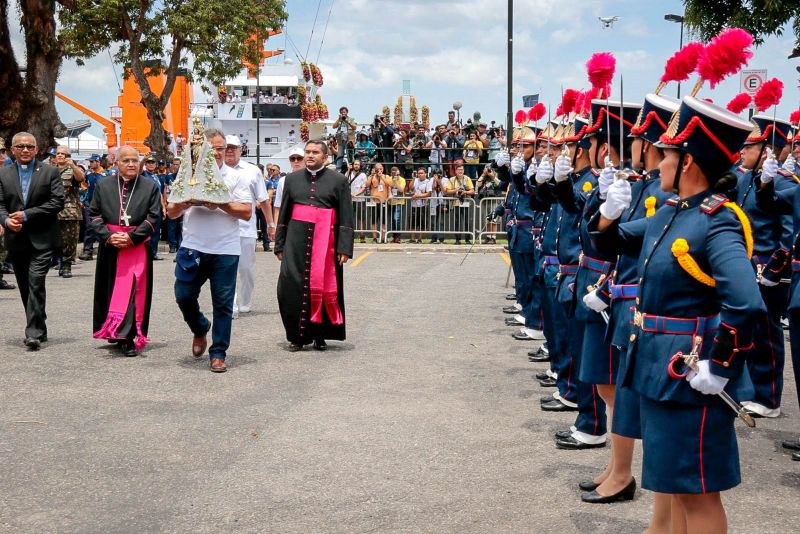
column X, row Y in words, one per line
column 174, row 230
column 220, row 270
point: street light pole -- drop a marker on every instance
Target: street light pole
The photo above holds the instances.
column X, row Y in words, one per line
column 510, row 97
column 680, row 19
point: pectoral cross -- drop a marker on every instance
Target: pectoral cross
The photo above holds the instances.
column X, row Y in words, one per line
column 126, row 219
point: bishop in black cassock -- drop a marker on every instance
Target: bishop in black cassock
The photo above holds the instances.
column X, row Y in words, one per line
column 124, row 211
column 314, row 237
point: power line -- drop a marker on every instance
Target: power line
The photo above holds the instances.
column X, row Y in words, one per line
column 114, row 69
column 325, row 31
column 313, row 27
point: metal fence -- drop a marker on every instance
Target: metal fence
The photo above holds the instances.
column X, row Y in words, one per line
column 403, row 218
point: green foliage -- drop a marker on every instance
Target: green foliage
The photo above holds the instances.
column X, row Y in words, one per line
column 762, row 18
column 208, row 37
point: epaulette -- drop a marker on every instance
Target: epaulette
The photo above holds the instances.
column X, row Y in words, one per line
column 596, row 173
column 672, row 201
column 713, row 203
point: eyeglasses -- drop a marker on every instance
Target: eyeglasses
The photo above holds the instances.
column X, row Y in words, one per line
column 296, row 158
column 218, row 148
column 25, row 147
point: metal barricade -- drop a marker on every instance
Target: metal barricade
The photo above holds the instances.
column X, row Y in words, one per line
column 432, row 218
column 369, row 219
column 489, row 231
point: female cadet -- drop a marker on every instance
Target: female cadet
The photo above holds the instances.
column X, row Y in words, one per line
column 697, row 296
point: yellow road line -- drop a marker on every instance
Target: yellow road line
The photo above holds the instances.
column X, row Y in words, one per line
column 362, row 257
column 505, row 257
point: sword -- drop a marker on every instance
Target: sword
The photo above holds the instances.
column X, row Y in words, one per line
column 621, row 174
column 593, row 287
column 690, row 361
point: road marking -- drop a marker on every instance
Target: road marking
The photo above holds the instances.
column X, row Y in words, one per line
column 505, row 257
column 361, row 258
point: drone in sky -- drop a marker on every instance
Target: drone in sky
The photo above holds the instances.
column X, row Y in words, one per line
column 608, row 22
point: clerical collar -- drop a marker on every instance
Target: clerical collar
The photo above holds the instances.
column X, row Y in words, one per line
column 315, row 172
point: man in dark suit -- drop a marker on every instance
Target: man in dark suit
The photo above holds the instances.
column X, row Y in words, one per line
column 31, row 195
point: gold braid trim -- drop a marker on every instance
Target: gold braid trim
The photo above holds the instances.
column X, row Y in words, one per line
column 680, row 249
column 650, row 204
column 746, row 228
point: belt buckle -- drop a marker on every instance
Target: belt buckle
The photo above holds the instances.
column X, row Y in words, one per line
column 558, row 274
column 580, row 259
column 638, row 318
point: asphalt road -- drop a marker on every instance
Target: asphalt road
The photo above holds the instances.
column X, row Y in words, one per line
column 425, row 420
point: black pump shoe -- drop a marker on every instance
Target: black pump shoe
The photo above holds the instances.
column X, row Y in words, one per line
column 319, row 344
column 625, row 494
column 588, row 485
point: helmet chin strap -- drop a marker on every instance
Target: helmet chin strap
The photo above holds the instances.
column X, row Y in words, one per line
column 678, row 173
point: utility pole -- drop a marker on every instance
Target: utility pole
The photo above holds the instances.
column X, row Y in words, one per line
column 510, row 96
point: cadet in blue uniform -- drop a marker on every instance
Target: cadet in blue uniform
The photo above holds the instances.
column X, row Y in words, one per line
column 772, row 235
column 696, row 295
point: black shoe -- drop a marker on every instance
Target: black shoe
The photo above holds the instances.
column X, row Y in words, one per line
column 541, row 351
column 86, row 256
column 267, row 249
column 458, row 241
column 792, row 444
column 6, row 285
column 511, row 296
column 571, row 443
column 557, row 406
column 7, row 269
column 584, row 485
column 157, row 258
column 294, row 347
column 538, row 358
column 796, row 456
column 564, row 434
column 43, row 338
column 547, row 399
column 32, row 343
column 625, row 494
column 66, row 273
column 521, row 336
column 319, row 344
column 172, row 250
column 542, row 376
column 548, row 382
column 512, row 309
column 513, row 322
column 128, row 349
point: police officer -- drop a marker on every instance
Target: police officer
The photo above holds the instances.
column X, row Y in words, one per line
column 772, row 234
column 150, row 172
column 95, row 174
column 697, row 296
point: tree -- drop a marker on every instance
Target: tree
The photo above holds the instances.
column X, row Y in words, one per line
column 211, row 38
column 761, row 18
column 26, row 89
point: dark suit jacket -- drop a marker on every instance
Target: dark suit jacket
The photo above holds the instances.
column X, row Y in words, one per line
column 45, row 199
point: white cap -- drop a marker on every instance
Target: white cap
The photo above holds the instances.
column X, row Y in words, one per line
column 297, row 151
column 232, row 140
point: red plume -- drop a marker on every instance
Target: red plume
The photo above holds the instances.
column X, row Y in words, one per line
column 681, row 65
column 726, row 54
column 794, row 118
column 519, row 116
column 600, row 68
column 536, row 112
column 560, row 110
column 569, row 101
column 769, row 94
column 739, row 103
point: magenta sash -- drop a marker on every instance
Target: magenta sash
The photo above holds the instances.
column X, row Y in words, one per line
column 131, row 266
column 322, row 255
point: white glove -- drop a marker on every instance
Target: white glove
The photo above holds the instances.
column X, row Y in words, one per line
column 517, row 164
column 545, row 171
column 502, row 159
column 563, row 168
column 769, row 170
column 606, row 179
column 767, row 283
column 593, row 302
column 531, row 172
column 617, row 200
column 790, row 164
column 705, row 381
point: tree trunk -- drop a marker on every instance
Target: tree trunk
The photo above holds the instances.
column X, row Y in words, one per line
column 44, row 51
column 11, row 83
column 157, row 139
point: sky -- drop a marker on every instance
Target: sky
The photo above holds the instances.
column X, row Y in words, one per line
column 456, row 51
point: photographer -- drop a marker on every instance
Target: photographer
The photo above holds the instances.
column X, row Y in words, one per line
column 403, row 154
column 454, row 140
column 421, row 191
column 460, row 187
column 380, row 187
column 472, row 155
column 488, row 186
column 358, row 185
column 421, row 152
column 438, row 150
column 345, row 131
column 397, row 202
column 438, row 206
column 496, row 143
column 364, row 150
column 383, row 137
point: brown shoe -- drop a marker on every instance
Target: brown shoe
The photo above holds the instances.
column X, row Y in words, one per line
column 199, row 345
column 218, row 365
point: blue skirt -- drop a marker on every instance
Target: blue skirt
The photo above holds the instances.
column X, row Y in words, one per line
column 688, row 449
column 627, row 414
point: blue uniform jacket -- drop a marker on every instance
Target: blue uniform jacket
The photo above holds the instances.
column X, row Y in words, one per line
column 786, row 201
column 528, row 214
column 715, row 241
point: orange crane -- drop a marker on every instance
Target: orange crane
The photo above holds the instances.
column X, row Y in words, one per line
column 109, row 127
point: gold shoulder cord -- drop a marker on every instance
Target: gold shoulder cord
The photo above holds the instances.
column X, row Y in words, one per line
column 680, row 248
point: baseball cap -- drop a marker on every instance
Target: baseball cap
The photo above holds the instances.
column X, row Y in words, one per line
column 148, row 159
column 297, row 151
column 233, row 140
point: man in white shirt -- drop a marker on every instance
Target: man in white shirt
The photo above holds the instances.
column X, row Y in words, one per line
column 210, row 251
column 296, row 156
column 248, row 234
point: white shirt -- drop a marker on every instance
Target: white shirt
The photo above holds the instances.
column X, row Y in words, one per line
column 421, row 187
column 356, row 184
column 214, row 231
column 276, row 202
column 258, row 194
